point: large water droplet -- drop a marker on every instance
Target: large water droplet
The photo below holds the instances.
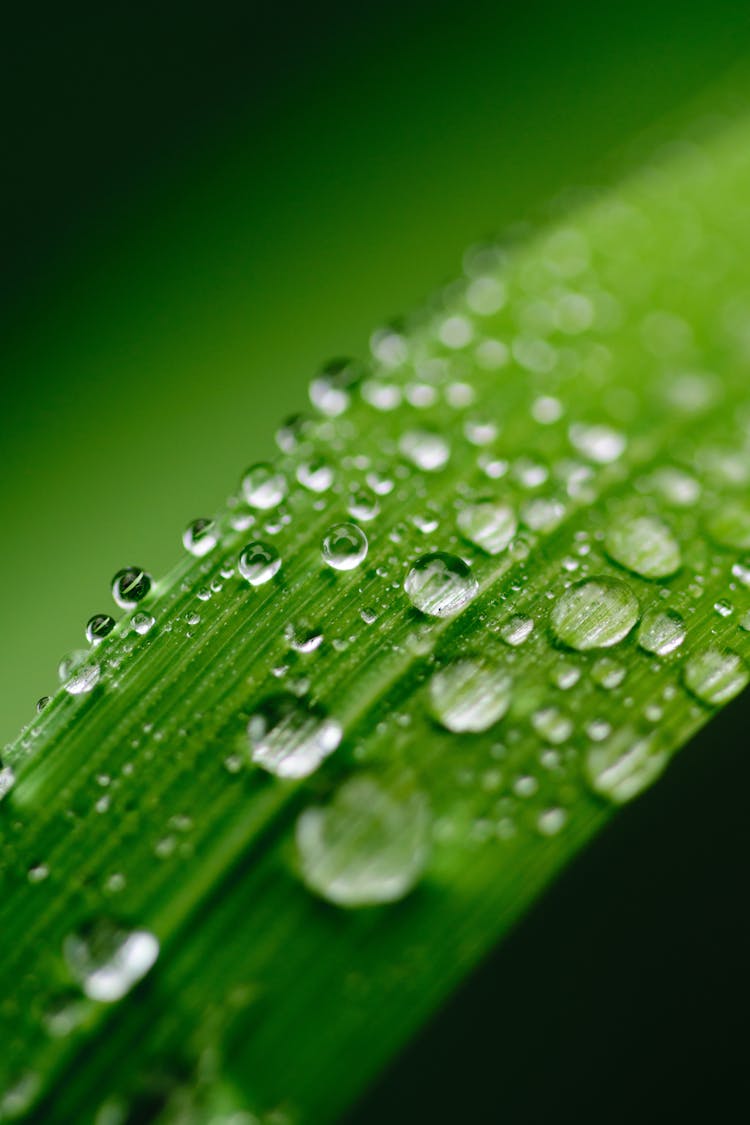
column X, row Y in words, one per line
column 715, row 676
column 595, row 613
column 470, row 694
column 624, row 765
column 258, row 563
column 645, row 545
column 344, row 546
column 200, row 537
column 488, row 524
column 440, row 585
column 367, row 846
column 130, row 586
column 107, row 960
column 83, row 679
column 428, row 451
column 263, row 486
column 98, row 627
column 730, row 525
column 661, row 632
column 290, row 738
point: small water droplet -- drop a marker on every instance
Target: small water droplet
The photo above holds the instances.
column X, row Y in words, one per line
column 440, row 585
column 42, row 702
column 428, row 451
column 363, row 505
column 543, row 513
column 200, row 537
column 78, row 673
column 303, row 638
column 344, row 546
column 7, row 780
column 316, row 475
column 130, row 586
column 488, row 524
column 142, row 623
column 661, row 632
column 675, row 486
column 368, row 845
column 598, row 443
column 263, row 486
column 107, row 959
column 516, row 630
column 715, row 676
column 470, row 694
column 624, row 765
column 607, row 673
column 595, row 613
column 551, row 821
column 98, row 627
column 258, row 563
column 290, row 738
column 330, row 391
column 645, row 545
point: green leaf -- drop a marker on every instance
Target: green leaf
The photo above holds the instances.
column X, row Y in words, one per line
column 480, row 600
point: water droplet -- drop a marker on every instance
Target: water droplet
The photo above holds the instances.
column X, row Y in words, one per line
column 107, row 959
column 551, row 724
column 595, row 613
column 645, row 545
column 363, row 505
column 543, row 513
column 661, row 632
column 344, row 546
column 741, row 571
column 315, row 475
column 200, row 537
column 258, row 563
column 7, row 780
column 624, row 765
column 142, row 623
column 675, row 486
column 729, row 526
column 715, row 676
column 130, row 586
column 42, row 702
column 488, row 524
column 263, row 486
column 428, row 451
column 303, row 638
column 551, row 821
column 607, row 673
column 330, row 391
column 290, row 738
column 516, row 630
column 367, row 846
column 600, row 444
column 78, row 673
column 98, row 627
column 440, row 585
column 470, row 694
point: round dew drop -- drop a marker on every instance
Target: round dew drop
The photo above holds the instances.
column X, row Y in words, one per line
column 330, row 390
column 367, row 846
column 258, row 563
column 98, row 627
column 130, row 586
column 289, row 738
column 715, row 676
column 623, row 766
column 263, row 486
column 344, row 546
column 600, row 444
column 644, row 545
column 428, row 451
column 84, row 679
column 107, row 960
column 489, row 525
column 440, row 585
column 470, row 695
column 200, row 537
column 595, row 613
column 661, row 632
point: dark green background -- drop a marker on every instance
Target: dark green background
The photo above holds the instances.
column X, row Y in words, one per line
column 203, row 203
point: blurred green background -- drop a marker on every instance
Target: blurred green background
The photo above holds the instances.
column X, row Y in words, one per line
column 204, row 203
